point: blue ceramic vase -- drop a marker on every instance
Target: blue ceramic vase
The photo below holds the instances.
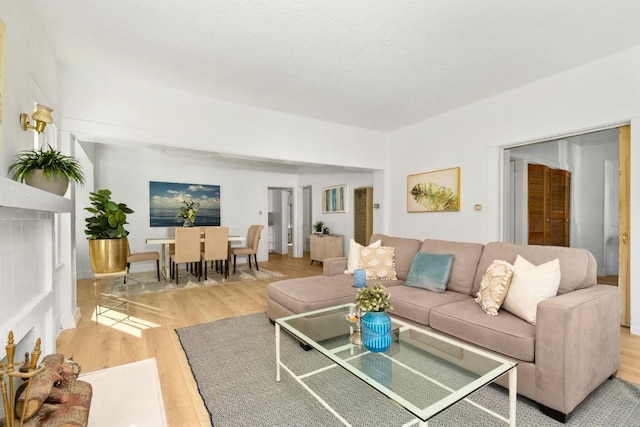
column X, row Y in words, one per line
column 376, row 331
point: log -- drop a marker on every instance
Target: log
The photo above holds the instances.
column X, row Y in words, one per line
column 56, row 397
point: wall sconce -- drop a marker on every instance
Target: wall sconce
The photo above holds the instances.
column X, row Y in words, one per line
column 42, row 117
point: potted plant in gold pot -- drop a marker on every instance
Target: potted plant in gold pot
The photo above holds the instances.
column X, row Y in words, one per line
column 108, row 244
column 48, row 170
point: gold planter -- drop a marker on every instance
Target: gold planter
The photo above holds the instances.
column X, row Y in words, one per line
column 108, row 255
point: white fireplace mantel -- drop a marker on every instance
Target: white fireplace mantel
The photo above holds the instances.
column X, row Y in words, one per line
column 14, row 194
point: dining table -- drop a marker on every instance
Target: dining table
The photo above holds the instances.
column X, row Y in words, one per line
column 166, row 243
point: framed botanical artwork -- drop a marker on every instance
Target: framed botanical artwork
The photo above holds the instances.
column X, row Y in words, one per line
column 334, row 199
column 167, row 198
column 437, row 191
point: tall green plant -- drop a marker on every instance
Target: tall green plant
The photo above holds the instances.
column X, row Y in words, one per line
column 52, row 163
column 108, row 218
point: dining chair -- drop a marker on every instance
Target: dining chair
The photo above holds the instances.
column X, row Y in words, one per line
column 142, row 257
column 216, row 248
column 253, row 240
column 187, row 249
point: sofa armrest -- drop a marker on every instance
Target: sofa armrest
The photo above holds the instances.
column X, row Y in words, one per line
column 334, row 266
column 577, row 345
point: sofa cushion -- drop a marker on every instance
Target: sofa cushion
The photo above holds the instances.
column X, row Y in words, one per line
column 415, row 304
column 465, row 262
column 531, row 285
column 404, row 250
column 506, row 334
column 312, row 293
column 353, row 260
column 494, row 286
column 577, row 266
column 378, row 262
column 430, row 271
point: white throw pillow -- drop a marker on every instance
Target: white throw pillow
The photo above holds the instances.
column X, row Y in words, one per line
column 353, row 260
column 530, row 285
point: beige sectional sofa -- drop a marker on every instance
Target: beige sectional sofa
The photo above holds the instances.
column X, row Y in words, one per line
column 573, row 347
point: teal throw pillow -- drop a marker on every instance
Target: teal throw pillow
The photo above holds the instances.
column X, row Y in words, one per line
column 430, row 271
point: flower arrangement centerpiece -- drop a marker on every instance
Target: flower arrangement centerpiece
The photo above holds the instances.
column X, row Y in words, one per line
column 188, row 211
column 376, row 323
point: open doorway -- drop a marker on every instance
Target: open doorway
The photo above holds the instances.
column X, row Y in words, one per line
column 591, row 159
column 280, row 221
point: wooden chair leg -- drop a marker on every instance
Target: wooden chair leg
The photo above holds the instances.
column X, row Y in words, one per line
column 234, row 263
column 157, row 268
column 256, row 259
column 177, row 272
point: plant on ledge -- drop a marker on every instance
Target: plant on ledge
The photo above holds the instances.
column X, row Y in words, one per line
column 318, row 226
column 108, row 218
column 49, row 170
column 373, row 299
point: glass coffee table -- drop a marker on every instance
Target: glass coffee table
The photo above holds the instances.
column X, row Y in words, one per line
column 422, row 371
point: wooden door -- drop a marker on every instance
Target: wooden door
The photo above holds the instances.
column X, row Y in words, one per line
column 539, row 205
column 560, row 206
column 549, row 193
column 363, row 214
column 624, row 221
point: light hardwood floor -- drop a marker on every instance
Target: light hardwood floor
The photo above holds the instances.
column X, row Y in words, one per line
column 97, row 347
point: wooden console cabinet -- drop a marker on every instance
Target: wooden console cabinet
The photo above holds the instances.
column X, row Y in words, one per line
column 326, row 246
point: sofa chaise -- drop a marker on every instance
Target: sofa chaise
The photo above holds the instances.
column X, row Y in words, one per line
column 573, row 346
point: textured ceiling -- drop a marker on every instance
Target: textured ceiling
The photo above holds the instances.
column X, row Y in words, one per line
column 377, row 64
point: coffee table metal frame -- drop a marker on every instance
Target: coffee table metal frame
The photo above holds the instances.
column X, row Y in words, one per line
column 505, row 366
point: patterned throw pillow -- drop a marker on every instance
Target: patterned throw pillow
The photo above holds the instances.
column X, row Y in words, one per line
column 494, row 286
column 378, row 262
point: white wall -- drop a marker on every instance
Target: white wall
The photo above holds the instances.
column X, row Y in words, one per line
column 592, row 96
column 40, row 297
column 591, row 221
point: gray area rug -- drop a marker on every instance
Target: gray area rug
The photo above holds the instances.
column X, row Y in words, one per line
column 147, row 282
column 233, row 362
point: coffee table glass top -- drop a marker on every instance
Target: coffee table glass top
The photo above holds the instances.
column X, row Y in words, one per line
column 422, row 371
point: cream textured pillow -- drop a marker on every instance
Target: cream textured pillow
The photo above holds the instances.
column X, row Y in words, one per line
column 378, row 262
column 530, row 285
column 353, row 260
column 494, row 286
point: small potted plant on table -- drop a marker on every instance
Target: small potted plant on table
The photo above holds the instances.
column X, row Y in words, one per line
column 376, row 323
column 318, row 228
